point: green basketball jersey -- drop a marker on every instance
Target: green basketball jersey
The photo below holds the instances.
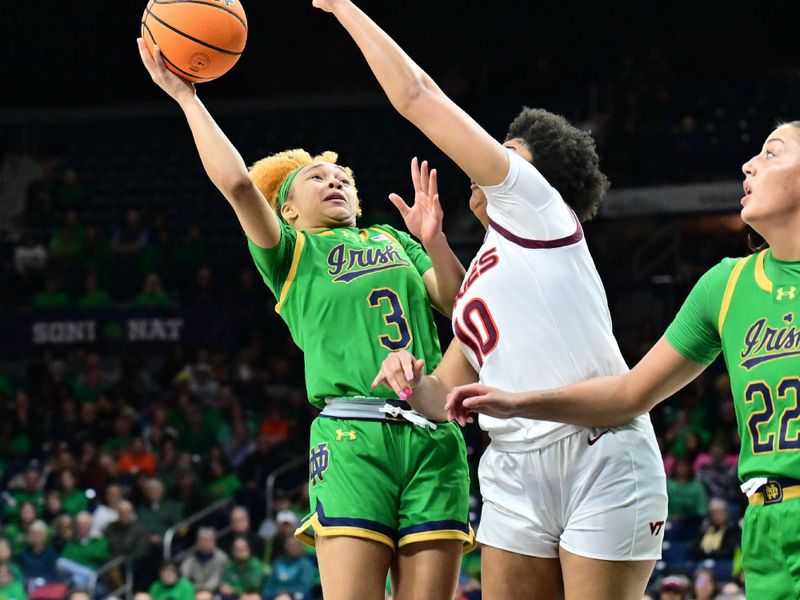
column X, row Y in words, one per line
column 349, row 297
column 750, row 309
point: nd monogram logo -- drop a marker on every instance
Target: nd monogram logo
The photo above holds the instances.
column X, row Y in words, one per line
column 319, row 460
column 350, row 435
column 786, row 292
column 772, row 492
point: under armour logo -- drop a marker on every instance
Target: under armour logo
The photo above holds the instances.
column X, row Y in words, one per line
column 351, row 435
column 786, row 293
column 655, row 527
column 319, row 459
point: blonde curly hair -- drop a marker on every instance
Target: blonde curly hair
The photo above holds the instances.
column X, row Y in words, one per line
column 269, row 173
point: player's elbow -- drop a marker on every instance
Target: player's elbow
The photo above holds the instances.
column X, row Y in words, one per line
column 418, row 94
column 235, row 186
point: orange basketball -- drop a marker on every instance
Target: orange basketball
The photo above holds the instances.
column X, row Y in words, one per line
column 199, row 39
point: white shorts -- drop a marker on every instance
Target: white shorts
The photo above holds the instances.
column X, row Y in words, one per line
column 607, row 500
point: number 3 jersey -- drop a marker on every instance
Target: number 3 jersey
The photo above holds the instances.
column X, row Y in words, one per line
column 532, row 312
column 748, row 308
column 349, row 297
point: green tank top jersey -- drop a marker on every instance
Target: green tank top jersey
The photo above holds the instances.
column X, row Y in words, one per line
column 749, row 308
column 350, row 296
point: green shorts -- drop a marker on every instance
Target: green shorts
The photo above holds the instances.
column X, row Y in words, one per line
column 389, row 481
column 771, row 548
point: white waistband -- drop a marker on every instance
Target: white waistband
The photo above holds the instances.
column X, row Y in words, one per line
column 371, row 408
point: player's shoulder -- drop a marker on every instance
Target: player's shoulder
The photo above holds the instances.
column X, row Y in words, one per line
column 383, row 230
column 719, row 274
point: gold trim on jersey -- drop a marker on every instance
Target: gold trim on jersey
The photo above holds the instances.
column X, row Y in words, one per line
column 298, row 250
column 764, row 282
column 728, row 295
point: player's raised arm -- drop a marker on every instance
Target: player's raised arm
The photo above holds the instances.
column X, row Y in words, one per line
column 423, row 219
column 417, row 97
column 222, row 162
column 598, row 402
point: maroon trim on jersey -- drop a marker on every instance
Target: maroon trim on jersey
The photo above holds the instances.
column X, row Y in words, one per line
column 541, row 244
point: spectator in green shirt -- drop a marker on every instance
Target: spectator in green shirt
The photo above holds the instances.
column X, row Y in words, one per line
column 5, row 559
column 152, row 294
column 68, row 241
column 158, row 514
column 688, row 501
column 53, row 297
column 10, row 588
column 171, row 587
column 84, row 554
column 94, row 296
column 73, row 499
column 243, row 573
column 29, row 491
column 17, row 531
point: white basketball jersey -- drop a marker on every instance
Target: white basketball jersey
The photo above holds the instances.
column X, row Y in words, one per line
column 532, row 312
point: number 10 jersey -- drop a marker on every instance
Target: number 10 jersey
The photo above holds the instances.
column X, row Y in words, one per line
column 532, row 312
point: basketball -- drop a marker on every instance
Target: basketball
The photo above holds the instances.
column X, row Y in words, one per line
column 200, row 40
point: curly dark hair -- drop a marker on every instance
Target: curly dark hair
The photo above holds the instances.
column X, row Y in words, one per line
column 565, row 156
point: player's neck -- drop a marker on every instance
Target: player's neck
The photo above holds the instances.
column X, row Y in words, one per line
column 785, row 244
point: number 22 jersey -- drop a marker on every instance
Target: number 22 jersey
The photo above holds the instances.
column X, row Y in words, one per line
column 532, row 312
column 748, row 309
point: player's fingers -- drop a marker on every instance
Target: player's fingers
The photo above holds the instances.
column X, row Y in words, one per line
column 419, row 367
column 458, row 393
column 159, row 60
column 459, row 415
column 399, row 384
column 423, row 177
column 399, row 204
column 147, row 58
column 415, row 173
column 407, row 364
column 379, row 379
column 436, row 206
column 433, row 183
column 388, row 374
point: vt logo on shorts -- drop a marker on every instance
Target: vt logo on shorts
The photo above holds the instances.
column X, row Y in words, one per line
column 655, row 527
column 319, row 459
column 350, row 435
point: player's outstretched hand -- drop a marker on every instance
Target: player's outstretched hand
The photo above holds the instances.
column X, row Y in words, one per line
column 400, row 372
column 424, row 218
column 478, row 398
column 177, row 88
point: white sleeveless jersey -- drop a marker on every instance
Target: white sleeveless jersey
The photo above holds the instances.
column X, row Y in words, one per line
column 532, row 312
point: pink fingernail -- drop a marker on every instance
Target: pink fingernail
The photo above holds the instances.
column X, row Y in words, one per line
column 409, row 391
column 402, row 395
